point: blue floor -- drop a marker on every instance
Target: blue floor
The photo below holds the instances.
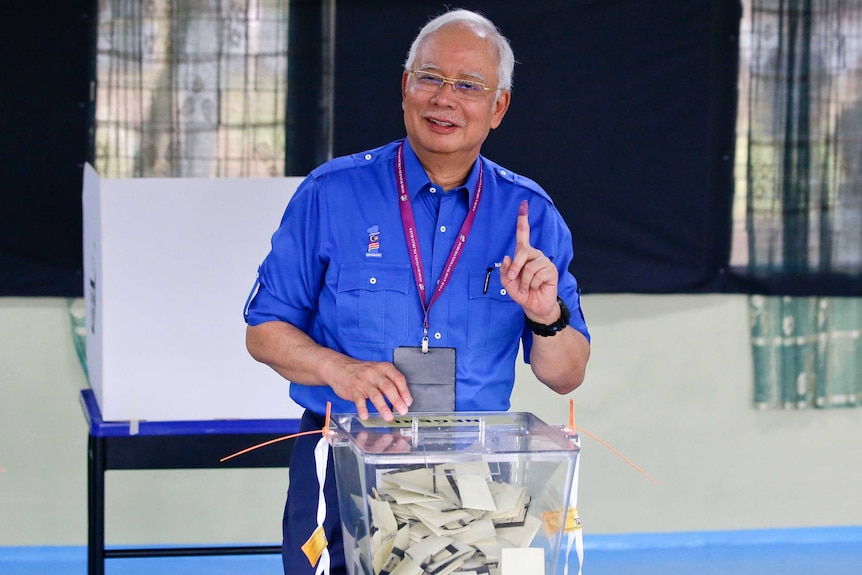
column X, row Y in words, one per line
column 73, row 561
column 823, row 551
column 775, row 559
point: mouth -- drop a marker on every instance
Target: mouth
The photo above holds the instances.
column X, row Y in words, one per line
column 441, row 122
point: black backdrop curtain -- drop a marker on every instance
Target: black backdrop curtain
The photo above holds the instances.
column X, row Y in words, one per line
column 46, row 64
column 623, row 110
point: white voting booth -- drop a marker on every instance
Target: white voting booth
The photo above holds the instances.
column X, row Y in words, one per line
column 168, row 266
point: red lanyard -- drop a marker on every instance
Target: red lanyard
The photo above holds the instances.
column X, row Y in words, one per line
column 410, row 234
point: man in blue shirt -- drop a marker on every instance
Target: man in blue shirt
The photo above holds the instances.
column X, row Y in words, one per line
column 419, row 246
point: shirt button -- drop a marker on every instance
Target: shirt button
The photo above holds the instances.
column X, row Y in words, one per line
column 502, row 172
column 367, row 156
column 372, row 281
column 503, row 291
column 432, row 189
column 438, row 335
column 443, row 229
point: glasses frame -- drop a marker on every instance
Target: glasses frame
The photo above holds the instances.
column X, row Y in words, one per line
column 457, row 91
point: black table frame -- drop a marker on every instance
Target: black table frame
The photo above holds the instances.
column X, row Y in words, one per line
column 172, row 445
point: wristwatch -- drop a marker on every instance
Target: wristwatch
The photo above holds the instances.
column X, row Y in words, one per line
column 552, row 329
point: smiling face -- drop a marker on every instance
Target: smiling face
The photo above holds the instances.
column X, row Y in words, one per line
column 441, row 126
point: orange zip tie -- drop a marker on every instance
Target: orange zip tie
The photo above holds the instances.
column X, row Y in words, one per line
column 270, row 442
column 620, row 455
column 573, row 428
column 323, row 431
column 326, row 421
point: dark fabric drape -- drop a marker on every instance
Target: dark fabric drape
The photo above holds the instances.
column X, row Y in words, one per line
column 45, row 137
column 623, row 110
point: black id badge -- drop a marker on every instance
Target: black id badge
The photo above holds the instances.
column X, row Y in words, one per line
column 430, row 377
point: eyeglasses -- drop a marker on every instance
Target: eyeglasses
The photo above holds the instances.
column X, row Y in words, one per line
column 466, row 89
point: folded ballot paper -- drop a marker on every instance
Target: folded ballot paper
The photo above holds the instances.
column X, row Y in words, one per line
column 456, row 494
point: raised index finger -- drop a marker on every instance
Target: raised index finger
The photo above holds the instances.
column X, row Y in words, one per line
column 522, row 232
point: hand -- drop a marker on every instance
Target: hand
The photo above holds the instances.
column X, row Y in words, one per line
column 358, row 381
column 530, row 277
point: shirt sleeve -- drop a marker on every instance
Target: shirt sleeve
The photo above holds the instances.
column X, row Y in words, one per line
column 289, row 279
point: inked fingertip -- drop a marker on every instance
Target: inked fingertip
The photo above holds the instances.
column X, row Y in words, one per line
column 523, row 208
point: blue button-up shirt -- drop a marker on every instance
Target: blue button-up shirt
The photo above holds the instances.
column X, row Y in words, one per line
column 339, row 270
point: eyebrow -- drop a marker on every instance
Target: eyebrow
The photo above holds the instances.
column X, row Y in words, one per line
column 461, row 76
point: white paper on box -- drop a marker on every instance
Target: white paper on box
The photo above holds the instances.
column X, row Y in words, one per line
column 520, row 561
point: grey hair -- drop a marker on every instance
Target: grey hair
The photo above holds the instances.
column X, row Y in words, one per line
column 474, row 20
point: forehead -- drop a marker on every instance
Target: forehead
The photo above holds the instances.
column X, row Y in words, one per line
column 458, row 49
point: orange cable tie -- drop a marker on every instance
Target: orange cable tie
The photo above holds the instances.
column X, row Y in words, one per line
column 323, row 432
column 326, row 421
column 270, row 442
column 620, row 455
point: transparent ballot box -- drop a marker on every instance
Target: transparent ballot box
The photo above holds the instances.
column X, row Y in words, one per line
column 455, row 493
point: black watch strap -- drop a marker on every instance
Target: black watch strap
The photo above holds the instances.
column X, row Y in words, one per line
column 552, row 329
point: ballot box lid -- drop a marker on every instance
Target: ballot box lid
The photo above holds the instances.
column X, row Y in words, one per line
column 461, row 432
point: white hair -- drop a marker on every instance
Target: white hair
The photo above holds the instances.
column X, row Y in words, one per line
column 474, row 20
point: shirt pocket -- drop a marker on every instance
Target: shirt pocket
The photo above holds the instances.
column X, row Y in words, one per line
column 494, row 320
column 372, row 305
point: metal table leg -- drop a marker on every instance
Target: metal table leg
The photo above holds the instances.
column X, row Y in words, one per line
column 96, row 506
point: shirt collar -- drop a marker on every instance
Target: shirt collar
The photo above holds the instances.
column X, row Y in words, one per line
column 417, row 178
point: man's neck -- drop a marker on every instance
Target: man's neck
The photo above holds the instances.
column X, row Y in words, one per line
column 447, row 170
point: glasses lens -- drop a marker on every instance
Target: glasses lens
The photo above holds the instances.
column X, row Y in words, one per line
column 466, row 89
column 428, row 80
column 469, row 88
